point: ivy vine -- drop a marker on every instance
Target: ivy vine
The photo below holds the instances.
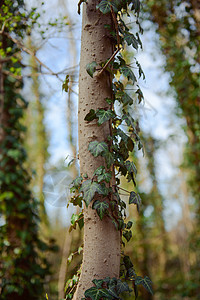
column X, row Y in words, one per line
column 117, row 147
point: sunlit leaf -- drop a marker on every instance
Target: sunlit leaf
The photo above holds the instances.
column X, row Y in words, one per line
column 65, row 85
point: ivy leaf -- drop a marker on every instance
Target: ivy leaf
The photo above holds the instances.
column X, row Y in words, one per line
column 91, row 68
column 65, row 85
column 140, row 70
column 95, row 294
column 128, row 235
column 101, row 208
column 99, row 171
column 112, row 288
column 76, row 219
column 90, row 116
column 131, row 39
column 109, row 158
column 135, row 199
column 130, row 166
column 122, row 287
column 127, row 140
column 146, row 282
column 89, row 189
column 104, row 6
column 104, row 115
column 126, row 71
column 127, row 262
column 105, row 177
column 98, row 148
column 98, row 282
column 129, row 225
column 124, row 97
column 140, row 95
column 135, row 5
column 77, row 182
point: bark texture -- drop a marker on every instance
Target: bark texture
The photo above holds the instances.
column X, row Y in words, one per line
column 101, row 257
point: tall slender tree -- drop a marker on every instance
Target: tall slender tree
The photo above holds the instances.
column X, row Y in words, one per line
column 101, row 256
column 22, row 269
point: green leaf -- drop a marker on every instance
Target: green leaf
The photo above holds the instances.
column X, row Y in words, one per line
column 127, row 140
column 128, row 235
column 131, row 39
column 76, row 219
column 104, row 115
column 140, row 95
column 101, row 208
column 129, row 225
column 135, row 199
column 102, row 175
column 127, row 262
column 90, row 116
column 126, row 71
column 98, row 282
column 105, row 177
column 77, row 182
column 98, row 148
column 135, row 5
column 109, row 158
column 91, row 68
column 95, row 294
column 146, row 282
column 140, row 70
column 124, row 98
column 65, row 85
column 104, row 6
column 122, row 287
column 89, row 189
column 130, row 166
column 99, row 171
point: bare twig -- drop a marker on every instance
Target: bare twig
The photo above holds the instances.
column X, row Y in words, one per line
column 110, row 59
column 28, row 51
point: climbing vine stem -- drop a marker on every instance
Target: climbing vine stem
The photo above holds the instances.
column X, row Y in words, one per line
column 115, row 150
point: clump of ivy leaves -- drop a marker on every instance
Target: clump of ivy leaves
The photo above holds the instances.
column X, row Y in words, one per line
column 23, row 264
column 115, row 151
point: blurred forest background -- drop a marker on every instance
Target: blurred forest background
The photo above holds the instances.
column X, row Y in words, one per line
column 166, row 235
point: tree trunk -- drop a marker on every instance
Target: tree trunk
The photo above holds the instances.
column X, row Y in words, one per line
column 101, row 257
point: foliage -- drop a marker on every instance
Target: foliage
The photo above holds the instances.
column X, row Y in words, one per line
column 23, row 268
column 99, row 190
column 179, row 32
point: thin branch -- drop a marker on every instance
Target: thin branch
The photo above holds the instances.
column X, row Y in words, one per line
column 28, row 51
column 110, row 59
column 122, row 189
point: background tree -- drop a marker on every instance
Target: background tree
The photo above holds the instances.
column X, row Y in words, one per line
column 23, row 269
